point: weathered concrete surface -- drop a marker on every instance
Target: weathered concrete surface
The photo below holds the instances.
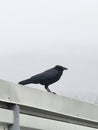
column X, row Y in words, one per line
column 50, row 103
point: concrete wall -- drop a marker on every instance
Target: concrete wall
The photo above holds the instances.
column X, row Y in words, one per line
column 33, row 109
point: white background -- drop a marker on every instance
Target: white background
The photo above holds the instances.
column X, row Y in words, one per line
column 37, row 35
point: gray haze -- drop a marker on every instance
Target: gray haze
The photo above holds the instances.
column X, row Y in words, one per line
column 37, row 35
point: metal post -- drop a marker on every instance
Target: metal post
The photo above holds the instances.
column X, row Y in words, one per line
column 15, row 125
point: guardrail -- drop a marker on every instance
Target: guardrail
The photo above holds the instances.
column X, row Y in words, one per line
column 25, row 108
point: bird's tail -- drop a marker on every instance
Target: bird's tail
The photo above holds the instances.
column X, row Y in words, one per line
column 24, row 82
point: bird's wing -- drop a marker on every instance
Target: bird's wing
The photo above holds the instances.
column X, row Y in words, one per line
column 50, row 74
column 47, row 75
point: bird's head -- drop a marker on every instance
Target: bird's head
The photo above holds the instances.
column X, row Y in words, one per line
column 61, row 68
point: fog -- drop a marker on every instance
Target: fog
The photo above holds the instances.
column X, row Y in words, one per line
column 37, row 35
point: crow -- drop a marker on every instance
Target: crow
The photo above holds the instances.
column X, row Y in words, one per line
column 46, row 78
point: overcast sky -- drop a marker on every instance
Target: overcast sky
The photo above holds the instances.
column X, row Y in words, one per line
column 37, row 35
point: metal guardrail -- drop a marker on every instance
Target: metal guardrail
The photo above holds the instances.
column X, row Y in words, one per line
column 16, row 124
column 24, row 104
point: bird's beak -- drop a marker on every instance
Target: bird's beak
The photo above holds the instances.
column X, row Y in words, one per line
column 65, row 68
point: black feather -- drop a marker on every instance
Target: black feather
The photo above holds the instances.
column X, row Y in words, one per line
column 46, row 78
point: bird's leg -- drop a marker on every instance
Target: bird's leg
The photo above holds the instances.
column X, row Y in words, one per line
column 46, row 87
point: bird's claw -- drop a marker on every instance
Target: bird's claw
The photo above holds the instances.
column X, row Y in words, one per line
column 53, row 92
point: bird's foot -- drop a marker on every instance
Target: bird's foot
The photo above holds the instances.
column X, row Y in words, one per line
column 53, row 92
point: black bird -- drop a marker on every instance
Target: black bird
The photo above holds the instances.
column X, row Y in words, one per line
column 46, row 78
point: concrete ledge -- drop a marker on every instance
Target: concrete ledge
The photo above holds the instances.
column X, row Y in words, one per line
column 6, row 116
column 69, row 110
column 38, row 123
